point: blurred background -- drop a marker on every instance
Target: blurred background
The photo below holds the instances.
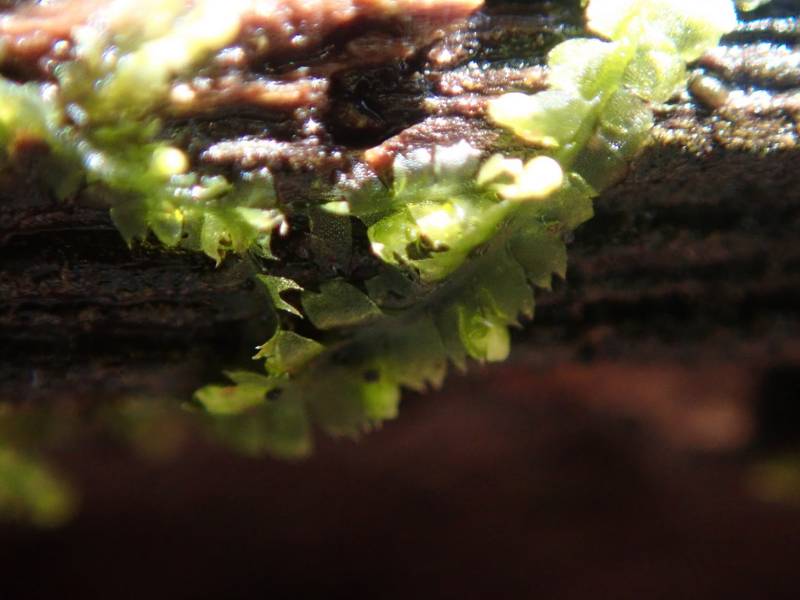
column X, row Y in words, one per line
column 589, row 480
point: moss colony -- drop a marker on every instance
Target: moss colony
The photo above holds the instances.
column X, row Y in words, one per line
column 462, row 239
column 431, row 251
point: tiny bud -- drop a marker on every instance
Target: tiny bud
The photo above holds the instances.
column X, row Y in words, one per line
column 168, row 161
column 540, row 177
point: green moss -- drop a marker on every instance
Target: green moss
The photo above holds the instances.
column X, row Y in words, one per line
column 462, row 243
column 30, row 491
column 101, row 123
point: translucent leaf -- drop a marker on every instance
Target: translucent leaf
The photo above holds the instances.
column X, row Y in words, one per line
column 130, row 218
column 338, row 304
column 541, row 254
column 414, row 167
column 286, row 427
column 393, row 288
column 250, row 378
column 211, row 235
column 503, row 288
column 654, row 74
column 549, row 119
column 274, row 286
column 359, row 402
column 601, row 163
column 340, row 208
column 231, row 399
column 279, row 427
column 609, row 17
column 585, row 66
column 447, row 322
column 29, row 491
column 485, row 336
column 24, row 114
column 371, row 197
column 331, row 238
column 391, row 236
column 167, row 225
column 538, row 179
column 258, row 218
column 693, row 26
column 288, row 352
column 413, row 355
column 564, row 210
column 748, row 5
column 499, row 169
column 626, row 122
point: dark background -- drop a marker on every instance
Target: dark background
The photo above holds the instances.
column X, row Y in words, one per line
column 598, row 479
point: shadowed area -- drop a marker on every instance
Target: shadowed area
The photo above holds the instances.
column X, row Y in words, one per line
column 512, row 481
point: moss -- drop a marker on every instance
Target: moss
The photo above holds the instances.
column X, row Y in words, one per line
column 461, row 242
column 101, row 122
column 30, row 491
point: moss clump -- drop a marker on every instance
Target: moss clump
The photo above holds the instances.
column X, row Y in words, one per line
column 461, row 242
column 102, row 126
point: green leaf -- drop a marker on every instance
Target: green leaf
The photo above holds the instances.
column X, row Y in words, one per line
column 448, row 324
column 274, row 286
column 463, row 245
column 279, row 427
column 358, row 404
column 211, row 236
column 392, row 235
column 286, row 428
column 394, row 288
column 30, row 491
column 250, row 378
column 288, row 352
column 585, row 67
column 259, row 219
column 626, row 122
column 130, row 218
column 654, row 74
column 548, row 119
column 541, row 254
column 484, row 335
column 411, row 355
column 232, row 399
column 503, row 288
column 167, row 225
column 691, row 25
column 339, row 304
column 331, row 238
